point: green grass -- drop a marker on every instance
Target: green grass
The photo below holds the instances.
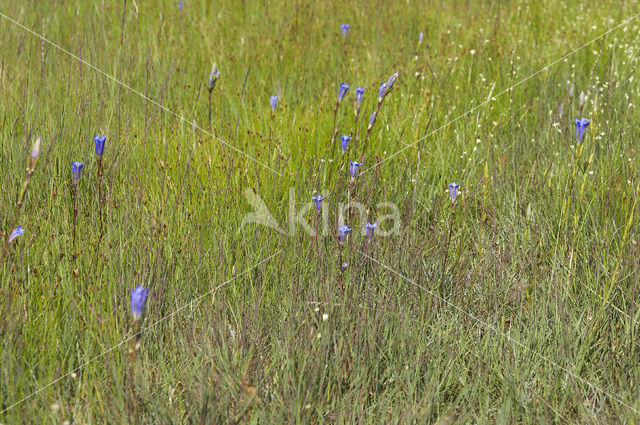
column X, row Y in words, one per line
column 519, row 308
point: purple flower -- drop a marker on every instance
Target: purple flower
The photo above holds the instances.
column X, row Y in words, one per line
column 274, row 102
column 15, row 233
column 390, row 82
column 344, row 88
column 76, row 170
column 35, row 153
column 353, row 168
column 342, row 232
column 214, row 75
column 581, row 126
column 99, row 141
column 369, row 228
column 359, row 96
column 317, row 201
column 180, row 6
column 381, row 91
column 138, row 300
column 372, row 118
column 344, row 141
column 343, row 267
column 453, row 191
column 420, row 37
column 345, row 29
column 35, row 149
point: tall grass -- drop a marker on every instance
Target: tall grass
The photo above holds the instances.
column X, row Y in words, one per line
column 541, row 251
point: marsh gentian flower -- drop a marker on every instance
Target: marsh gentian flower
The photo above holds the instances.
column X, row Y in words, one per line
column 359, row 96
column 342, row 232
column 99, row 141
column 343, row 267
column 381, row 91
column 35, row 149
column 317, row 201
column 581, row 126
column 15, row 233
column 76, row 170
column 274, row 102
column 180, row 6
column 453, row 191
column 372, row 118
column 138, row 300
column 213, row 77
column 35, row 153
column 353, row 168
column 344, row 88
column 344, row 141
column 345, row 29
column 390, row 82
column 369, row 228
column 420, row 37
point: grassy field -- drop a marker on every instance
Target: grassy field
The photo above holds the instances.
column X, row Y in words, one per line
column 517, row 303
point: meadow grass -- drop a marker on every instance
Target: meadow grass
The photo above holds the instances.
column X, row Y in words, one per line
column 518, row 305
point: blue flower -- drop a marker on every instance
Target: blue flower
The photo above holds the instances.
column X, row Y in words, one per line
column 343, row 267
column 33, row 158
column 180, row 6
column 342, row 232
column 274, row 102
column 420, row 37
column 369, row 228
column 453, row 191
column 385, row 88
column 372, row 118
column 344, row 88
column 15, row 233
column 392, row 80
column 353, row 168
column 100, row 140
column 317, row 201
column 35, row 149
column 76, row 170
column 345, row 29
column 581, row 126
column 138, row 300
column 359, row 96
column 344, row 141
column 381, row 91
column 213, row 77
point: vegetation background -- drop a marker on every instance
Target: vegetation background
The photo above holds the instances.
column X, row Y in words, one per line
column 522, row 307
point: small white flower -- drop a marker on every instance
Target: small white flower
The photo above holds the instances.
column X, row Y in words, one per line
column 325, row 316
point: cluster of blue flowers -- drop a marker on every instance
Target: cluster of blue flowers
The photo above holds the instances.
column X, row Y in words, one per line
column 345, row 29
column 346, row 139
column 77, row 166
